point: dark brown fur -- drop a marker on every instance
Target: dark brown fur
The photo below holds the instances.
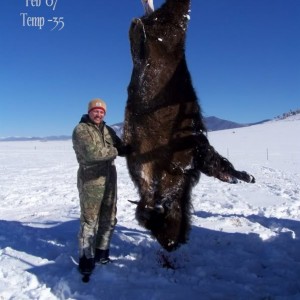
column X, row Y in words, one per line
column 164, row 126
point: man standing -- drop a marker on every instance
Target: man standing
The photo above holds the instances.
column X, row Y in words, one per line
column 96, row 146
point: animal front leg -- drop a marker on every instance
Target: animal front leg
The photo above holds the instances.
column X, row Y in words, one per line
column 229, row 174
column 211, row 163
column 242, row 175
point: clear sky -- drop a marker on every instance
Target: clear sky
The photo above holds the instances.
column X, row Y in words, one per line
column 243, row 55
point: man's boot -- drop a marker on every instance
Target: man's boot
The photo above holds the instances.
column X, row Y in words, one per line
column 102, row 256
column 86, row 265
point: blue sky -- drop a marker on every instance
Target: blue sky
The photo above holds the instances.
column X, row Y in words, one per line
column 243, row 55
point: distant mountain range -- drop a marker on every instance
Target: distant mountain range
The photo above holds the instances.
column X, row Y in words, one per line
column 212, row 124
column 35, row 138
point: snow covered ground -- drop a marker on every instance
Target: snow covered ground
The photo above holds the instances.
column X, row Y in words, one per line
column 244, row 242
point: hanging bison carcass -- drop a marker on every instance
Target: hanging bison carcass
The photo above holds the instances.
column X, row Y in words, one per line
column 164, row 126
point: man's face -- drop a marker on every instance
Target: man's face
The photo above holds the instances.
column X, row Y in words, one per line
column 97, row 115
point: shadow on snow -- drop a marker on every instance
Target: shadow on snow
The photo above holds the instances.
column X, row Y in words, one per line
column 209, row 255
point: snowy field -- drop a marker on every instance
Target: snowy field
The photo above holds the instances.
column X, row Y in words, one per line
column 244, row 242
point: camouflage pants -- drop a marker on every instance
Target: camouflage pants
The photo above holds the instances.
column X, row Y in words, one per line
column 98, row 199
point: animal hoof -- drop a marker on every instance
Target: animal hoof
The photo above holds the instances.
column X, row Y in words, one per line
column 252, row 179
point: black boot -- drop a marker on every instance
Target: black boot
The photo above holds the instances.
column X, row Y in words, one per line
column 102, row 256
column 86, row 265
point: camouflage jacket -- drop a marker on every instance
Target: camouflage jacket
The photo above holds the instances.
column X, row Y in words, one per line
column 95, row 146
